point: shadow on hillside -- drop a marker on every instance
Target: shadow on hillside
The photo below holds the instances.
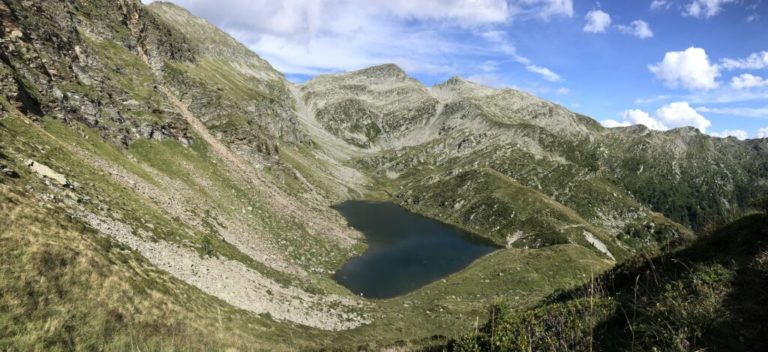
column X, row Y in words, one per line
column 709, row 296
column 712, row 294
column 746, row 325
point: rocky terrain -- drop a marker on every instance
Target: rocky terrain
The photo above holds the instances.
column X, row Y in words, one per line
column 149, row 142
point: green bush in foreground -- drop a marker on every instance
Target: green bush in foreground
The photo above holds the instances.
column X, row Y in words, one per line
column 761, row 204
column 562, row 327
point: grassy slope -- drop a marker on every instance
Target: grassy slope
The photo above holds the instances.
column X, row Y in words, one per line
column 490, row 198
column 65, row 286
column 500, row 190
column 710, row 296
column 202, row 173
column 452, row 305
column 125, row 200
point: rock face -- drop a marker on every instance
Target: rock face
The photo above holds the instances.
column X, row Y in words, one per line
column 84, row 73
column 369, row 107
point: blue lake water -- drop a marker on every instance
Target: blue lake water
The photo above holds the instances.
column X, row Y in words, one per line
column 405, row 250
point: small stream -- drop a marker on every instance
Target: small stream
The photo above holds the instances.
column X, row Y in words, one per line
column 405, row 250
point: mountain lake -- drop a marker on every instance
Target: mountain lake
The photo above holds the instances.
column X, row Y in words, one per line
column 405, row 250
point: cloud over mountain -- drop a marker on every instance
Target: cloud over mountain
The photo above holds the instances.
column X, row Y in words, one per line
column 688, row 69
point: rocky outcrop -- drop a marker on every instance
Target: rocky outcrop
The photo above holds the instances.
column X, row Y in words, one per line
column 372, row 107
column 79, row 61
column 7, row 171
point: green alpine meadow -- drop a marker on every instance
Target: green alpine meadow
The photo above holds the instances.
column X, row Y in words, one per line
column 165, row 188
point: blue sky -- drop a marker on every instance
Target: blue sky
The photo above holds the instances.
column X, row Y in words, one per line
column 662, row 63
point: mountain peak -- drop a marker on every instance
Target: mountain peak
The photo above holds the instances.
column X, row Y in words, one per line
column 389, row 70
column 686, row 130
column 457, row 86
column 455, row 80
column 167, row 4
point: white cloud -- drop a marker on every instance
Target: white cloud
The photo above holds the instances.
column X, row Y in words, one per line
column 635, row 117
column 494, row 36
column 321, row 36
column 545, row 9
column 464, row 11
column 762, row 133
column 297, row 16
column 658, row 4
column 597, row 21
column 725, row 95
column 736, row 111
column 563, row 91
column 489, row 80
column 544, row 72
column 614, row 123
column 489, row 66
column 502, row 44
column 681, row 114
column 747, row 80
column 740, row 134
column 705, row 8
column 687, row 69
column 639, row 117
column 672, row 115
column 754, row 61
column 638, row 28
column 643, row 101
column 499, row 38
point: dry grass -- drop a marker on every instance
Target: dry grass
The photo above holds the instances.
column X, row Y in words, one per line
column 64, row 287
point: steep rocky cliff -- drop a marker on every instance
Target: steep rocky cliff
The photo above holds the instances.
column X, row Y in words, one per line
column 82, row 61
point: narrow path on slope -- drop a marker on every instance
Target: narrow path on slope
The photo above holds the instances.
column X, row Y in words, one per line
column 331, row 225
column 219, row 148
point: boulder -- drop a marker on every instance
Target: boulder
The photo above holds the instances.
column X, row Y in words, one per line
column 8, row 172
column 46, row 172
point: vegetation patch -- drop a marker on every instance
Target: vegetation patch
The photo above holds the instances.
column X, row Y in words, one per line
column 704, row 296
